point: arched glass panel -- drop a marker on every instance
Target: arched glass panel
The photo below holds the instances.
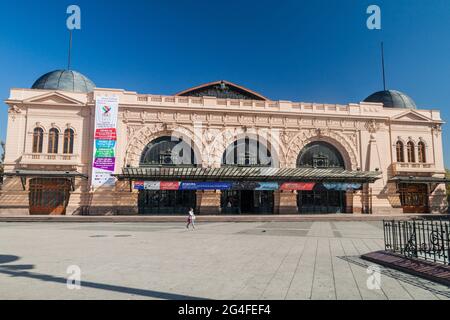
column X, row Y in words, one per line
column 400, row 153
column 68, row 141
column 410, row 150
column 38, row 136
column 421, row 152
column 53, row 138
column 320, row 155
column 247, row 152
column 168, row 151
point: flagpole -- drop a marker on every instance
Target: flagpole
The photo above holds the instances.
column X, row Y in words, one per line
column 382, row 66
column 70, row 50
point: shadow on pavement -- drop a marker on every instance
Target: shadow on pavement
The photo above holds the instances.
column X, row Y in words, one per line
column 19, row 271
column 401, row 276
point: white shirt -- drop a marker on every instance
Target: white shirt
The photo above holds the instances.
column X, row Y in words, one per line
column 191, row 213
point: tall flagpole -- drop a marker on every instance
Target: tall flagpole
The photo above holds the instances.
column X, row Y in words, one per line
column 70, row 49
column 382, row 65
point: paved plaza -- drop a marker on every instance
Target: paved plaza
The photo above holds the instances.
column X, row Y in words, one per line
column 224, row 260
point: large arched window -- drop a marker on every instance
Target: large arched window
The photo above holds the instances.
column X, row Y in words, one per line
column 168, row 151
column 68, row 141
column 400, row 153
column 320, row 155
column 421, row 152
column 247, row 152
column 53, row 138
column 38, row 137
column 410, row 151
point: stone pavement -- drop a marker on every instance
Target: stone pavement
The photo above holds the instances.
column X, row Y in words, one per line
column 255, row 260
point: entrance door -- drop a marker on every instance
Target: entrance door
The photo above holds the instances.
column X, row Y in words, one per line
column 247, row 202
column 49, row 196
column 414, row 198
column 321, row 200
column 166, row 201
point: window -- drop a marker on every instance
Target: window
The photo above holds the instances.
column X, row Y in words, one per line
column 400, row 154
column 68, row 141
column 411, row 154
column 247, row 152
column 167, row 150
column 320, row 155
column 38, row 136
column 53, row 138
column 421, row 152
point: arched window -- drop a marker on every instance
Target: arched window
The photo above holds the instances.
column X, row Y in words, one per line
column 400, row 153
column 421, row 152
column 410, row 150
column 320, row 155
column 168, row 151
column 247, row 152
column 53, row 139
column 38, row 136
column 68, row 141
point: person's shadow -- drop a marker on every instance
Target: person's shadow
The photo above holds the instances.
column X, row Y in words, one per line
column 21, row 270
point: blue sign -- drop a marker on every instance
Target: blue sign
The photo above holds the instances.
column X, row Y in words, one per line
column 267, row 186
column 205, row 186
column 342, row 186
column 104, row 144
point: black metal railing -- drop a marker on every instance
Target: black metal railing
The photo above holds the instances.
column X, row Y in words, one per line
column 423, row 239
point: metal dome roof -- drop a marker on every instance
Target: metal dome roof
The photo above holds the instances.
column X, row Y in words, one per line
column 392, row 99
column 65, row 80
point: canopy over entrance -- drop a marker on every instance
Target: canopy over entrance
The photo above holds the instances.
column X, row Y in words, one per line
column 235, row 173
column 24, row 173
column 414, row 179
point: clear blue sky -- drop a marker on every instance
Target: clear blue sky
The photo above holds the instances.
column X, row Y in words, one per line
column 312, row 51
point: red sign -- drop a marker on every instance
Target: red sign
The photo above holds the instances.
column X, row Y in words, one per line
column 303, row 186
column 169, row 185
column 106, row 134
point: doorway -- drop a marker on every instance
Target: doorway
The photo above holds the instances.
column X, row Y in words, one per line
column 247, row 202
column 414, row 198
column 49, row 195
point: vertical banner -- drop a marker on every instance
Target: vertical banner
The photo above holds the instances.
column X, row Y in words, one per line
column 105, row 137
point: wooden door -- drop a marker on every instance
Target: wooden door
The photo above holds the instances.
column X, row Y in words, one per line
column 49, row 195
column 414, row 198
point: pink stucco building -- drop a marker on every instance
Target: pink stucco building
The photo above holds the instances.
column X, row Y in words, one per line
column 241, row 153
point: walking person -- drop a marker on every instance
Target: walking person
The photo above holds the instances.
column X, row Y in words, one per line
column 191, row 219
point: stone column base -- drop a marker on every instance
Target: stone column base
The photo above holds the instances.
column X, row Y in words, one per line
column 287, row 202
column 208, row 202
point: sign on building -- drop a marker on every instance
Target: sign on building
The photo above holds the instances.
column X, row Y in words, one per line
column 105, row 138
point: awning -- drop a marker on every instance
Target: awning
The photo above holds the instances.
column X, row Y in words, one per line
column 415, row 179
column 24, row 173
column 260, row 174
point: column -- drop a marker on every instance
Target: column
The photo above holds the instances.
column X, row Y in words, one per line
column 287, row 202
column 208, row 201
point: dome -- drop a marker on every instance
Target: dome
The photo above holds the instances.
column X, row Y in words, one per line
column 392, row 99
column 65, row 80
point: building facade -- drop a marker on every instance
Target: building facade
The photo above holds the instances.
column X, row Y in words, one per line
column 221, row 149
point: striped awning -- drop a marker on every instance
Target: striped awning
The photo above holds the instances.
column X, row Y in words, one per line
column 247, row 174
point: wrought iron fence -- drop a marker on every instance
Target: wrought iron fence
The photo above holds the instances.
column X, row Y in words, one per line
column 423, row 239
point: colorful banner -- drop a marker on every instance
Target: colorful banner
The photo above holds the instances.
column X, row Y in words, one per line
column 205, row 186
column 268, row 186
column 342, row 186
column 169, row 185
column 302, row 186
column 105, row 136
column 249, row 185
column 138, row 185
